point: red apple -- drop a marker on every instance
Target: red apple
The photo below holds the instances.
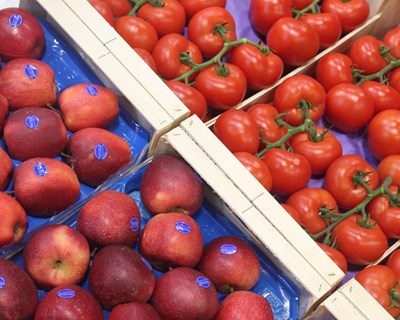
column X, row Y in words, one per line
column 45, row 186
column 119, row 274
column 28, row 83
column 185, row 294
column 6, row 169
column 110, row 217
column 21, row 35
column 56, row 255
column 69, row 302
column 230, row 263
column 34, row 132
column 88, row 105
column 18, row 294
column 3, row 111
column 13, row 220
column 134, row 311
column 95, row 154
column 169, row 184
column 247, row 305
column 171, row 240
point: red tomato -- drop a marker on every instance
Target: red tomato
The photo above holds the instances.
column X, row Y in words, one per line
column 360, row 245
column 264, row 114
column 339, row 180
column 390, row 167
column 290, row 171
column 334, row 68
column 119, row 7
column 379, row 280
column 292, row 90
column 352, row 13
column 292, row 212
column 256, row 167
column 167, row 53
column 384, row 96
column 394, row 263
column 319, row 153
column 147, row 57
column 293, row 40
column 301, row 4
column 307, row 203
column 261, row 69
column 394, row 79
column 384, row 133
column 348, row 107
column 190, row 97
column 223, row 90
column 201, row 29
column 237, row 131
column 392, row 40
column 166, row 18
column 138, row 33
column 336, row 256
column 264, row 13
column 386, row 215
column 104, row 10
column 327, row 25
column 194, row 6
column 366, row 55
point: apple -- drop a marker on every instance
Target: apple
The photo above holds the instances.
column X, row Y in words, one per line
column 119, row 274
column 21, row 35
column 28, row 82
column 18, row 294
column 230, row 263
column 14, row 220
column 86, row 105
column 69, row 302
column 95, row 154
column 185, row 294
column 45, row 186
column 34, row 132
column 169, row 184
column 6, row 169
column 3, row 111
column 171, row 240
column 248, row 305
column 134, row 311
column 110, row 217
column 56, row 255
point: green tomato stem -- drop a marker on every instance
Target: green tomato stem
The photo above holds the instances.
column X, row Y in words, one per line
column 311, row 8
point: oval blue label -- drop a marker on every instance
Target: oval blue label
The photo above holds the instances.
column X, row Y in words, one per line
column 31, row 122
column 31, row 71
column 100, row 151
column 203, row 282
column 40, row 169
column 15, row 20
column 92, row 90
column 148, row 265
column 134, row 224
column 183, row 227
column 228, row 249
column 2, row 282
column 66, row 293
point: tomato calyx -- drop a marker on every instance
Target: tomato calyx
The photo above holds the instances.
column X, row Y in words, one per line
column 359, row 180
column 394, row 296
column 311, row 8
column 139, row 3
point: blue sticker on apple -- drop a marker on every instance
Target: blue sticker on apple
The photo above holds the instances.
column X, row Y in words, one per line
column 228, row 249
column 15, row 20
column 92, row 90
column 66, row 293
column 134, row 224
column 2, row 282
column 203, row 282
column 100, row 151
column 40, row 169
column 31, row 71
column 31, row 122
column 148, row 265
column 183, row 227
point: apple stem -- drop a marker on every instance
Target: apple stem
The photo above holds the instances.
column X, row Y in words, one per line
column 52, row 108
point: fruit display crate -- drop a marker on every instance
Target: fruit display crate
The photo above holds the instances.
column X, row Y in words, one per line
column 291, row 284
